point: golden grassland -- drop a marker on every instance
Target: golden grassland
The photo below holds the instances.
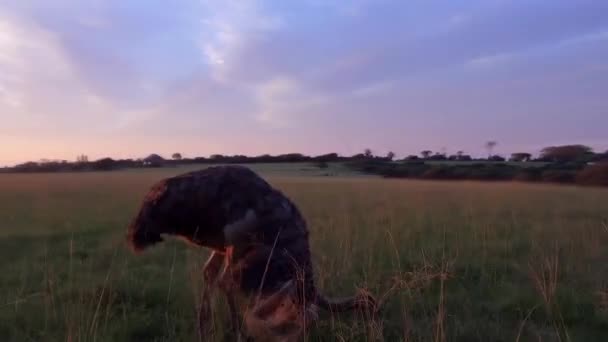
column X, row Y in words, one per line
column 455, row 261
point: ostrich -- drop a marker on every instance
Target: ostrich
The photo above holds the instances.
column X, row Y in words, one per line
column 259, row 243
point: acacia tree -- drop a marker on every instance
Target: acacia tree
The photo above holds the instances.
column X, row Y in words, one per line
column 368, row 153
column 390, row 155
column 177, row 156
column 426, row 154
column 521, row 157
column 565, row 153
column 490, row 147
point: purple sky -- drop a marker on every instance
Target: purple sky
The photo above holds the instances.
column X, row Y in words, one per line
column 128, row 78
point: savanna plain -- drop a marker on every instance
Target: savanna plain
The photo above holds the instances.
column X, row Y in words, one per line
column 452, row 261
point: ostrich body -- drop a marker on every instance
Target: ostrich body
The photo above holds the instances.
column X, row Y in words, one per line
column 259, row 241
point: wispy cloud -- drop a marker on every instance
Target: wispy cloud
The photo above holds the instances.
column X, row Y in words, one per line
column 491, row 60
column 540, row 49
column 42, row 90
column 227, row 26
column 31, row 63
column 281, row 97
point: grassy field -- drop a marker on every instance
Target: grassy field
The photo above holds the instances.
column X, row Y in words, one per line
column 455, row 261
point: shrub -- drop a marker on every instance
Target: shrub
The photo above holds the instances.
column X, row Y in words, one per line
column 437, row 172
column 528, row 175
column 489, row 172
column 322, row 165
column 558, row 176
column 496, row 158
column 596, row 174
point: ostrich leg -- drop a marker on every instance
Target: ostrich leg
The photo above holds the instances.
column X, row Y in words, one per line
column 235, row 234
column 211, row 271
column 234, row 315
column 227, row 285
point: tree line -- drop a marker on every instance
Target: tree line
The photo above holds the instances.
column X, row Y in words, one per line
column 82, row 162
column 556, row 164
column 553, row 164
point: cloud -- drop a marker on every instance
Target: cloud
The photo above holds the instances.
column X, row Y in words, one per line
column 348, row 8
column 273, row 98
column 281, row 97
column 228, row 26
column 491, row 60
column 540, row 49
column 31, row 61
column 42, row 90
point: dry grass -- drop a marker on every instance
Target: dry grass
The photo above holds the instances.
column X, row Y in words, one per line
column 451, row 261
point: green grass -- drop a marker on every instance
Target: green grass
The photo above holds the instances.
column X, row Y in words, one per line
column 456, row 261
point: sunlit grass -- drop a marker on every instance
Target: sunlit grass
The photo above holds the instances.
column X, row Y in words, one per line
column 454, row 261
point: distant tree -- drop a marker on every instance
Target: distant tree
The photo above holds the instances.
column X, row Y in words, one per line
column 104, row 164
column 216, row 156
column 438, row 156
column 520, row 157
column 426, row 154
column 177, row 156
column 566, row 153
column 390, row 155
column 460, row 156
column 490, row 146
column 153, row 160
column 496, row 158
column 291, row 157
column 465, row 157
column 412, row 157
column 329, row 157
column 26, row 167
column 368, row 153
column 82, row 158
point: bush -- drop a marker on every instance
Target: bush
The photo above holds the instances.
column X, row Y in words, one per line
column 528, row 175
column 558, row 176
column 496, row 158
column 437, row 172
column 554, row 173
column 596, row 174
column 322, row 165
column 490, row 172
column 104, row 164
column 568, row 166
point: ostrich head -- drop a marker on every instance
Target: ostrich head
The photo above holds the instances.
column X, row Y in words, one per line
column 150, row 222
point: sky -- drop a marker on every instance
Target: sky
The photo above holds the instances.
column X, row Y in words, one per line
column 128, row 78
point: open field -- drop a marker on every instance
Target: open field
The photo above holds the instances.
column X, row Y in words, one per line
column 457, row 261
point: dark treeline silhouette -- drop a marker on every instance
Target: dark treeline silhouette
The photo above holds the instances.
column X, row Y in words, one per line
column 82, row 162
column 559, row 164
column 556, row 164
